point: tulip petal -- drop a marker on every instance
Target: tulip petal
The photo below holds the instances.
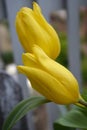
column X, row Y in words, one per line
column 49, row 29
column 28, row 30
column 32, row 28
column 47, row 85
column 58, row 71
column 30, row 60
column 31, row 33
column 43, row 23
column 36, row 8
column 20, row 31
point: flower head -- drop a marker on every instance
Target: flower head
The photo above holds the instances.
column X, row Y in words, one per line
column 49, row 78
column 41, row 43
column 32, row 28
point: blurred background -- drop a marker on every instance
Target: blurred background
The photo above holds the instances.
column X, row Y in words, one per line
column 69, row 19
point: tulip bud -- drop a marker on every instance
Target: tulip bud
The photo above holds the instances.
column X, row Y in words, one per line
column 32, row 28
column 49, row 78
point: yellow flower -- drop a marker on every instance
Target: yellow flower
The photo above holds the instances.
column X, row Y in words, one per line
column 50, row 78
column 32, row 28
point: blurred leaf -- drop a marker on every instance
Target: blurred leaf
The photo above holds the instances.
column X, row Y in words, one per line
column 84, row 69
column 61, row 127
column 84, row 93
column 7, row 57
column 21, row 109
column 76, row 118
column 62, row 58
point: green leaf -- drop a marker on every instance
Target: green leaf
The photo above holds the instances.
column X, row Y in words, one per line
column 76, row 118
column 21, row 109
column 61, row 127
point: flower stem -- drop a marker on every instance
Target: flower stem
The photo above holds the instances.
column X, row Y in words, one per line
column 83, row 103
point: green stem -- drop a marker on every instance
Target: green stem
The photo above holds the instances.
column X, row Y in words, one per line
column 83, row 103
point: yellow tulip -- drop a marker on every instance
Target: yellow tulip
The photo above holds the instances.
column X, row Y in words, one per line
column 49, row 78
column 32, row 28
